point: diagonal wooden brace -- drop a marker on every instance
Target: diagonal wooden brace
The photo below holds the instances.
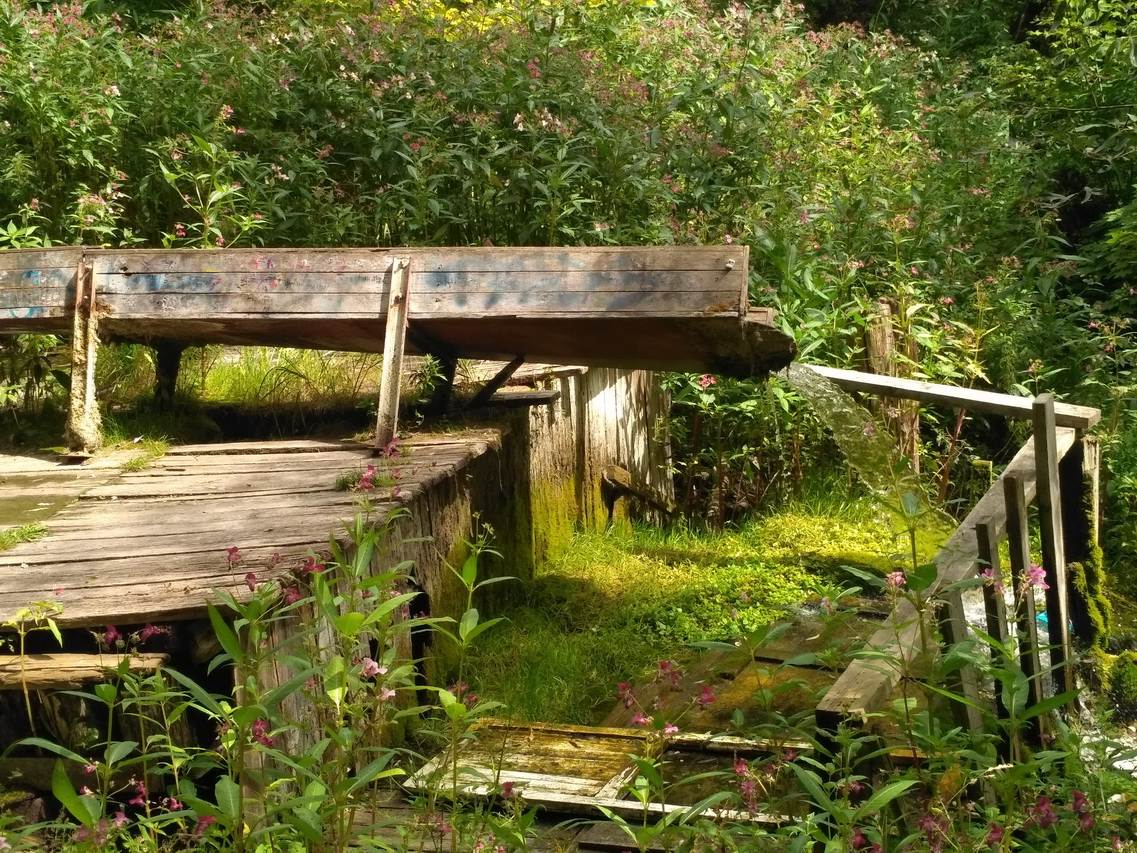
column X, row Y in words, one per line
column 84, row 434
column 394, row 343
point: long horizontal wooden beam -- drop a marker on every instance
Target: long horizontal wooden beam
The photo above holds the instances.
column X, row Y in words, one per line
column 64, row 669
column 867, row 683
column 1008, row 405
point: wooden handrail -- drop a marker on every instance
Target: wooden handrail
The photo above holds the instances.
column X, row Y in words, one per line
column 866, row 684
column 1008, row 405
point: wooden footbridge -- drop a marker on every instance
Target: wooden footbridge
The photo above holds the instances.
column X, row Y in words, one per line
column 164, row 529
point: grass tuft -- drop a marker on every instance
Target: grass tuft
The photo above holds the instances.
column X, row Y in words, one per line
column 24, row 533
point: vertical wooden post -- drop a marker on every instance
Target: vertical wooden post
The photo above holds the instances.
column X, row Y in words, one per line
column 1018, row 537
column 394, row 342
column 963, row 681
column 1079, row 478
column 1053, row 553
column 994, row 602
column 84, row 434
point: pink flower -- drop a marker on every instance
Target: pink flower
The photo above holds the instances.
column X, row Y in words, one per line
column 858, row 841
column 991, row 579
column 706, row 381
column 172, row 804
column 370, row 668
column 111, row 635
column 741, row 767
column 139, row 798
column 1036, row 576
column 640, row 720
column 507, row 790
column 179, row 230
column 625, row 694
column 706, row 697
column 390, row 448
column 259, row 731
column 226, row 112
column 90, row 768
column 84, row 791
column 233, row 554
column 203, row 823
column 671, row 729
column 120, row 819
column 312, row 565
column 387, row 693
column 533, row 68
column 251, row 581
column 1042, row 813
column 895, row 580
column 291, row 595
column 148, row 632
column 995, row 834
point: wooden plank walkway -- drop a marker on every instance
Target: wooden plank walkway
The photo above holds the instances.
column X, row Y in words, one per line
column 152, row 545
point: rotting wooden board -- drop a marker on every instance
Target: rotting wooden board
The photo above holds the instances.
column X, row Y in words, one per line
column 1009, row 405
column 866, row 684
column 152, row 547
column 64, row 670
column 569, row 769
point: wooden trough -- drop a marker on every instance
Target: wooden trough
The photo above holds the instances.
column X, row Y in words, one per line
column 683, row 308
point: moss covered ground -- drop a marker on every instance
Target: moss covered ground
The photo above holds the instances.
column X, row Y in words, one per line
column 615, row 603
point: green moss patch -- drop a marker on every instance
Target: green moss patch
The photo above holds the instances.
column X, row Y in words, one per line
column 613, row 604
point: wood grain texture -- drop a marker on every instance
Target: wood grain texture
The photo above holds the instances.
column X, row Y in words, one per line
column 676, row 308
column 58, row 671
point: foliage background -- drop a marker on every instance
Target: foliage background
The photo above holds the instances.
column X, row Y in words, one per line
column 970, row 162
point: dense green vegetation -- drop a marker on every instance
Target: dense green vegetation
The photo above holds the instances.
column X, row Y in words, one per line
column 972, row 164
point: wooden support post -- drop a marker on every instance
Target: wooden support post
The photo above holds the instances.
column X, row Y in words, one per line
column 962, row 681
column 1053, row 553
column 167, row 366
column 1079, row 477
column 84, row 434
column 1026, row 617
column 394, row 342
column 994, row 602
column 500, row 378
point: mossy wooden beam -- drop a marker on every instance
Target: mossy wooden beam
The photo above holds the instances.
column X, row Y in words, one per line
column 84, row 426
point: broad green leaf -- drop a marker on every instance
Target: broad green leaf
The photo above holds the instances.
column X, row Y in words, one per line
column 228, row 795
column 83, row 809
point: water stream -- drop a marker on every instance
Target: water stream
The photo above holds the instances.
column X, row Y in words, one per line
column 867, row 445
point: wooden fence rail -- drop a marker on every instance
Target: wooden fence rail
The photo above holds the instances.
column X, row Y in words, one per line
column 1001, row 514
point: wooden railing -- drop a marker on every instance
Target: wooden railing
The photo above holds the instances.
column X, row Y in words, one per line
column 1058, row 468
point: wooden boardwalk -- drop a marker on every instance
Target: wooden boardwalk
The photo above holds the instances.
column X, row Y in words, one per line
column 151, row 545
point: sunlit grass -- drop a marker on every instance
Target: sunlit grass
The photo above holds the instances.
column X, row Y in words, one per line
column 614, row 604
column 24, row 533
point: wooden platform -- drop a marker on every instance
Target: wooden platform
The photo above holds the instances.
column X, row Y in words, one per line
column 152, row 545
column 657, row 308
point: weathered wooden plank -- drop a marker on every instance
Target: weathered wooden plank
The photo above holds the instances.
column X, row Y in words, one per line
column 394, row 341
column 31, row 297
column 84, row 423
column 964, row 681
column 1050, row 533
column 32, row 260
column 60, row 670
column 731, row 259
column 1026, row 619
column 424, row 284
column 520, row 302
column 1008, row 405
column 865, row 684
column 994, row 598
